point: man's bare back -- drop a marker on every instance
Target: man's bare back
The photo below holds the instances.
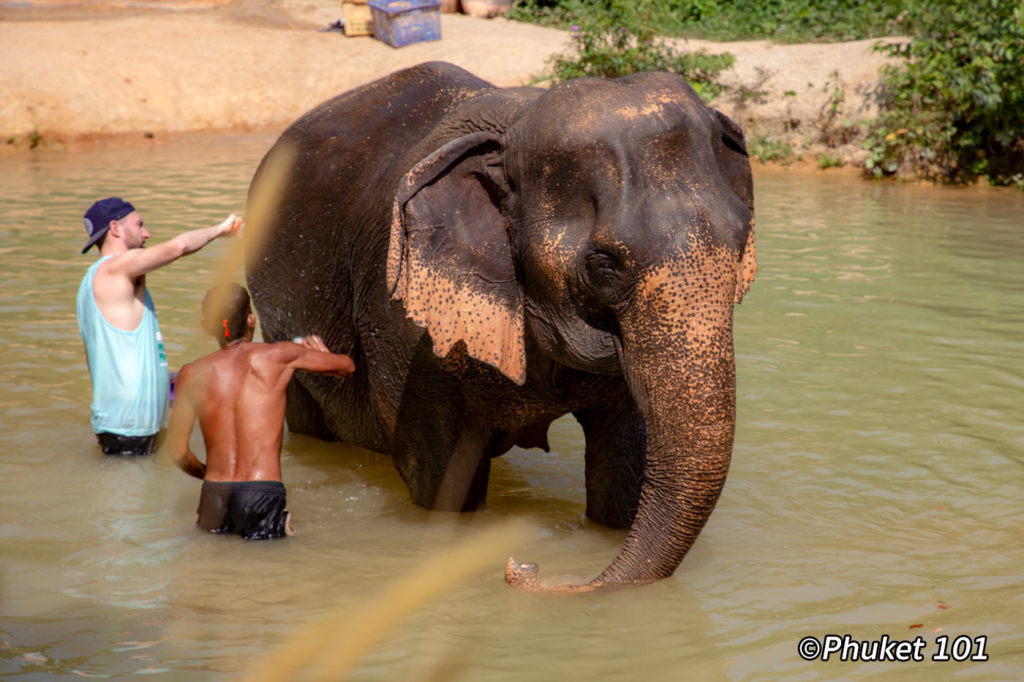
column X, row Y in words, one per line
column 238, row 395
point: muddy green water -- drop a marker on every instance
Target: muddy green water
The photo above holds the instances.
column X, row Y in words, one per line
column 875, row 490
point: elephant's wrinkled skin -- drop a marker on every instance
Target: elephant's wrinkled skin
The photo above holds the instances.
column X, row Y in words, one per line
column 493, row 259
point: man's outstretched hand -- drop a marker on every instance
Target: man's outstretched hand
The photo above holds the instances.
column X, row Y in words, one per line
column 231, row 226
column 313, row 342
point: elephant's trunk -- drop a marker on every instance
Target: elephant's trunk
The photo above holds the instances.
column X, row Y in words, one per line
column 677, row 355
column 690, row 417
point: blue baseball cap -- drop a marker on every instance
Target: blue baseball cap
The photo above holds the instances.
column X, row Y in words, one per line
column 99, row 215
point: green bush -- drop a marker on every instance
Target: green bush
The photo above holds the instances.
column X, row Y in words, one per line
column 781, row 20
column 829, row 161
column 620, row 42
column 611, row 52
column 791, row 21
column 769, row 149
column 953, row 109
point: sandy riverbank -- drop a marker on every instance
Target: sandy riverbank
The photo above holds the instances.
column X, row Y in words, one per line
column 145, row 70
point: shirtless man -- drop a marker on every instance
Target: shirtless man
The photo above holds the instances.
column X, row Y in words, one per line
column 238, row 395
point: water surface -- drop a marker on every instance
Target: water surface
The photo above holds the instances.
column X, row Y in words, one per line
column 875, row 489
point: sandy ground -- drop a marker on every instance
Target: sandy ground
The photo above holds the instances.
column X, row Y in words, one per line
column 75, row 73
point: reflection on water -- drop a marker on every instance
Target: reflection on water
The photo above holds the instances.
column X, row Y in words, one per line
column 875, row 486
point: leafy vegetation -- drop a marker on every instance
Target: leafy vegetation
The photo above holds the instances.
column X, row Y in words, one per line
column 954, row 107
column 780, row 20
column 611, row 48
column 767, row 148
column 829, row 161
column 797, row 21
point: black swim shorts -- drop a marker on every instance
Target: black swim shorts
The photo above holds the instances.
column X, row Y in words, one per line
column 127, row 446
column 253, row 509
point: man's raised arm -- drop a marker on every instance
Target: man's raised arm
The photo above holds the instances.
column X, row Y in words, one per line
column 318, row 358
column 136, row 262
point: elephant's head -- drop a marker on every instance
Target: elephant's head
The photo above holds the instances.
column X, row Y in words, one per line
column 612, row 221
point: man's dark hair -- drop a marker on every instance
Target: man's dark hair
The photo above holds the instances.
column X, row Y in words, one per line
column 228, row 322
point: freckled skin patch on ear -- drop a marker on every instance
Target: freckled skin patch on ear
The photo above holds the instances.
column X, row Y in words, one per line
column 453, row 310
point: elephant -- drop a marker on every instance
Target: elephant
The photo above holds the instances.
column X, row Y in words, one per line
column 493, row 258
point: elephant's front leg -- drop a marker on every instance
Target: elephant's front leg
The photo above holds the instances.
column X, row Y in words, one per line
column 463, row 485
column 446, row 475
column 615, row 457
column 443, row 458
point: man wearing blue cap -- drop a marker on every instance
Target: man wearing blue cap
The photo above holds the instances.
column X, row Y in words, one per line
column 123, row 345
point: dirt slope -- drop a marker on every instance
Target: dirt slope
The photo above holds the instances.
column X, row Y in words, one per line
column 127, row 69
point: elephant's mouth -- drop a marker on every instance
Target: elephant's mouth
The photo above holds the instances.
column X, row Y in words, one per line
column 572, row 342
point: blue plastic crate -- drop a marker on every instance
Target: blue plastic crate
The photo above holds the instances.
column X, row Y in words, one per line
column 403, row 22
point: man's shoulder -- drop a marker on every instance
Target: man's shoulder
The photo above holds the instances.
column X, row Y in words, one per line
column 272, row 357
column 95, row 265
column 113, row 266
column 99, row 265
column 186, row 370
column 197, row 366
column 279, row 350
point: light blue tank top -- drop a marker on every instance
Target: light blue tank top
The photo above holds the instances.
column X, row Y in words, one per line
column 130, row 380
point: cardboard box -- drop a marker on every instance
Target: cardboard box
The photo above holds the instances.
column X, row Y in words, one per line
column 403, row 22
column 358, row 17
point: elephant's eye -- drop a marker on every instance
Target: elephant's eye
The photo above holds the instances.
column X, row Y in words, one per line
column 603, row 263
column 608, row 281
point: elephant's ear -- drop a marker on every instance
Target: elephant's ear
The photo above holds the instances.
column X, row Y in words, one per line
column 735, row 165
column 450, row 257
